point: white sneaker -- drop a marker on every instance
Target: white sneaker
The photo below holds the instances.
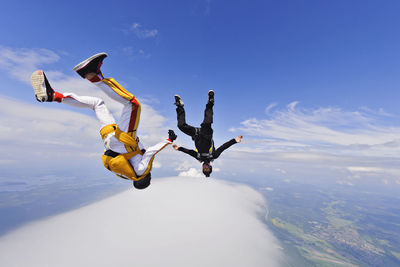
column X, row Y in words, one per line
column 41, row 86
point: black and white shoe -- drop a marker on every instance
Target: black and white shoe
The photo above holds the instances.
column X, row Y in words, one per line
column 178, row 101
column 42, row 87
column 211, row 96
column 90, row 65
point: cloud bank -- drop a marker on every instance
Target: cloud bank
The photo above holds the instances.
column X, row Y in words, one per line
column 324, row 141
column 176, row 222
column 323, row 127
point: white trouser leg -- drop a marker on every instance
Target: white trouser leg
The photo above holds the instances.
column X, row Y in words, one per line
column 126, row 115
column 94, row 103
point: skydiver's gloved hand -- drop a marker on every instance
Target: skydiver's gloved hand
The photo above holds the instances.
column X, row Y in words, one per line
column 171, row 135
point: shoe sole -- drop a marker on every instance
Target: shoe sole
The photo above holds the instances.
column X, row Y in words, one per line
column 178, row 99
column 211, row 96
column 37, row 82
column 86, row 61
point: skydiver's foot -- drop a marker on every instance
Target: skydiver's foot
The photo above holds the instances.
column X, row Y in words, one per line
column 42, row 87
column 91, row 66
column 211, row 96
column 178, row 101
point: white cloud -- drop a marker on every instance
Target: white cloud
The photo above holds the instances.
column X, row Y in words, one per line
column 268, row 189
column 143, row 33
column 281, row 171
column 153, row 228
column 355, row 169
column 185, row 164
column 33, row 126
column 321, row 138
column 292, row 105
column 368, row 171
column 322, row 126
column 192, row 172
column 157, row 165
column 21, row 62
column 270, row 107
column 341, row 182
column 359, row 171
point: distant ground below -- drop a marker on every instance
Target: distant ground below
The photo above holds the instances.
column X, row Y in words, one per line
column 335, row 225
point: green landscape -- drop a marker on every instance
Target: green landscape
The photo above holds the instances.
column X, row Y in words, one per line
column 335, row 225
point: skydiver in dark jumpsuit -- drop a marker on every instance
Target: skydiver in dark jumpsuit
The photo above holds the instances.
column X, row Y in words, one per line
column 202, row 136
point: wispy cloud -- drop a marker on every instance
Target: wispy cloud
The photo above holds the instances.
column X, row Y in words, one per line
column 21, row 62
column 45, row 137
column 323, row 127
column 270, row 107
column 362, row 142
column 154, row 224
column 142, row 32
column 135, row 53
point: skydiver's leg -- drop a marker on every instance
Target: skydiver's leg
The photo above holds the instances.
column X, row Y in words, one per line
column 45, row 93
column 182, row 125
column 94, row 103
column 90, row 69
column 206, row 129
column 208, row 112
column 130, row 116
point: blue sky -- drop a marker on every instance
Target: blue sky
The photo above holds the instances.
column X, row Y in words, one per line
column 309, row 83
column 342, row 53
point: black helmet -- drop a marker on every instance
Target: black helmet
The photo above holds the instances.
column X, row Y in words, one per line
column 207, row 169
column 143, row 183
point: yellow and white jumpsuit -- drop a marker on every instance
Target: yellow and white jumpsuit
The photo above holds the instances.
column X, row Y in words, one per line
column 127, row 123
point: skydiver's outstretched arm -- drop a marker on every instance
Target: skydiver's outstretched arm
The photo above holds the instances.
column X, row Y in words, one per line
column 226, row 145
column 187, row 151
column 150, row 153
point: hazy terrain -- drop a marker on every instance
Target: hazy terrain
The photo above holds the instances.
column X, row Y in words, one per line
column 335, row 225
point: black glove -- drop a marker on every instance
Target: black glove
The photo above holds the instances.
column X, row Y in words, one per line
column 172, row 135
